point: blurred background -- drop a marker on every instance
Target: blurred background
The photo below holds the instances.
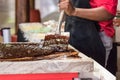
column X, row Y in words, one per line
column 44, row 13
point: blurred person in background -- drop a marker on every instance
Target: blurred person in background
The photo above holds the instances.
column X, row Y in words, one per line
column 90, row 23
column 117, row 19
column 117, row 22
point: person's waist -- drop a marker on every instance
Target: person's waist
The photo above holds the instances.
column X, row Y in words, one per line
column 109, row 33
column 101, row 30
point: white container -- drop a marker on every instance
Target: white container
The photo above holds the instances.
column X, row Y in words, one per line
column 6, row 35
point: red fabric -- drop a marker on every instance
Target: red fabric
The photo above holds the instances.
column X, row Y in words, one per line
column 42, row 76
column 110, row 6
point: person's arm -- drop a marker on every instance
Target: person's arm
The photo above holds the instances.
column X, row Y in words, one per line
column 97, row 14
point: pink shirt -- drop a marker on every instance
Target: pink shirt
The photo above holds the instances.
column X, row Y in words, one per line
column 111, row 7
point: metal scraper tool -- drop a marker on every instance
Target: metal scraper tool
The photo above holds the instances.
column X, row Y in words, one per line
column 58, row 30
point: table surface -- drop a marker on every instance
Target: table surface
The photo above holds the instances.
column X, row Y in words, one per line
column 85, row 65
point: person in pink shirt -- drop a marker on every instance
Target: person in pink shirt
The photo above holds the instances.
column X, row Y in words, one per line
column 100, row 11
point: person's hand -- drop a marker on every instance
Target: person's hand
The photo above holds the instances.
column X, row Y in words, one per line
column 67, row 6
column 116, row 22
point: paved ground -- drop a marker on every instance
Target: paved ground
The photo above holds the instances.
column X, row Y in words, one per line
column 118, row 73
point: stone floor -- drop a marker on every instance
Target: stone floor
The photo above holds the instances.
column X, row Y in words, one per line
column 118, row 73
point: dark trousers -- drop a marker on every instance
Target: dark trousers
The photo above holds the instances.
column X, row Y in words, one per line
column 112, row 61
